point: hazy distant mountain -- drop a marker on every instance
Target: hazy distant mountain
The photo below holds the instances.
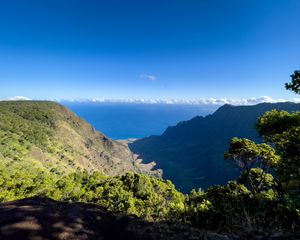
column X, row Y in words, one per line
column 191, row 153
column 50, row 136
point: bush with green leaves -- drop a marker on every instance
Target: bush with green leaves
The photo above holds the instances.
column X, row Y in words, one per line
column 141, row 195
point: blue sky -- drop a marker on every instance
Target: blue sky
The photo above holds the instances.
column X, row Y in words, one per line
column 148, row 49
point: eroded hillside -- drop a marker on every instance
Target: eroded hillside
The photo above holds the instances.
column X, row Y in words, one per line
column 51, row 137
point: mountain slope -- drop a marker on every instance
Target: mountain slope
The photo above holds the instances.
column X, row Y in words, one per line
column 51, row 137
column 191, row 153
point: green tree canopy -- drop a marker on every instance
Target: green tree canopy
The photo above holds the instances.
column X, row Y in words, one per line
column 253, row 160
column 248, row 154
column 282, row 130
column 294, row 85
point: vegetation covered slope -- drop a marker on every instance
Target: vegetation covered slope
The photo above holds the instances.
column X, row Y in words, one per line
column 49, row 136
column 191, row 153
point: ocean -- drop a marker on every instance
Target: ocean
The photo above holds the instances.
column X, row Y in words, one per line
column 123, row 121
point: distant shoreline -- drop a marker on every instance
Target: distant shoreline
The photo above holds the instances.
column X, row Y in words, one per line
column 127, row 141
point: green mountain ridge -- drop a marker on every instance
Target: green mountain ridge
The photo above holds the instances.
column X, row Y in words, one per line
column 191, row 153
column 51, row 137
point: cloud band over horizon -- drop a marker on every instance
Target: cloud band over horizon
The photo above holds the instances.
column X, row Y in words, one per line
column 199, row 101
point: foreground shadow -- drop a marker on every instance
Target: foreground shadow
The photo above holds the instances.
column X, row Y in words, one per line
column 43, row 218
column 40, row 218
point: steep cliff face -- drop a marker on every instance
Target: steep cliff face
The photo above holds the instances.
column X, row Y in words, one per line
column 191, row 153
column 52, row 137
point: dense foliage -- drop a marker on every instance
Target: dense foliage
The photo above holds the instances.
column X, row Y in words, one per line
column 28, row 132
column 141, row 195
column 224, row 208
column 265, row 195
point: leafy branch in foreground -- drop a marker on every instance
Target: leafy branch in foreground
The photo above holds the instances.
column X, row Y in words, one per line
column 294, row 85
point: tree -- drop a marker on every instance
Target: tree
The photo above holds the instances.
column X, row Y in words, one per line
column 294, row 85
column 257, row 180
column 282, row 130
column 248, row 155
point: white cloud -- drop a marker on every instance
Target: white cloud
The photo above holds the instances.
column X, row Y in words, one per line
column 198, row 101
column 296, row 100
column 148, row 77
column 16, row 98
